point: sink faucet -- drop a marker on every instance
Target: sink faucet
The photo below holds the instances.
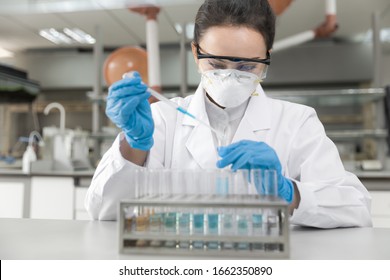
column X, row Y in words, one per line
column 62, row 113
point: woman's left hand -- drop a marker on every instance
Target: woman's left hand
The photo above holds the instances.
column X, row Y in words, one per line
column 248, row 154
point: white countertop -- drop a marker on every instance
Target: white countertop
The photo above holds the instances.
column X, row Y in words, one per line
column 384, row 174
column 61, row 239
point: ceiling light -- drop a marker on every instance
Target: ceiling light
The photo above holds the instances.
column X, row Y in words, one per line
column 384, row 35
column 79, row 36
column 5, row 53
column 70, row 36
column 189, row 29
column 54, row 36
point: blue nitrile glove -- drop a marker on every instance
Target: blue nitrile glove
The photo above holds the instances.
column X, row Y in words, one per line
column 248, row 154
column 128, row 107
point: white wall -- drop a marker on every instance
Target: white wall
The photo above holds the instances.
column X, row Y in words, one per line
column 312, row 63
column 73, row 69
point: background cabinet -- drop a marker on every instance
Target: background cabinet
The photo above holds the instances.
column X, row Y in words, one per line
column 43, row 197
column 11, row 199
column 52, row 197
column 380, row 208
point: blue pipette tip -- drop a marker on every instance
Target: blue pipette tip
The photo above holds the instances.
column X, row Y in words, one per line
column 180, row 109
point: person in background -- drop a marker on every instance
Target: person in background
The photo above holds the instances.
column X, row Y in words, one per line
column 231, row 47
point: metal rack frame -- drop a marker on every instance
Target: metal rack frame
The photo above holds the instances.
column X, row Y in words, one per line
column 128, row 240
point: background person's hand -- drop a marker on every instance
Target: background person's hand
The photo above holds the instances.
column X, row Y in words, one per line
column 248, row 154
column 128, row 107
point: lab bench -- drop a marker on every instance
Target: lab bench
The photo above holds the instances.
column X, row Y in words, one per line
column 62, row 239
column 60, row 195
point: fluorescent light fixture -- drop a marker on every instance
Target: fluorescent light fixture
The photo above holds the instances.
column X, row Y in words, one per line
column 384, row 35
column 79, row 36
column 70, row 36
column 189, row 29
column 5, row 53
column 178, row 28
column 54, row 36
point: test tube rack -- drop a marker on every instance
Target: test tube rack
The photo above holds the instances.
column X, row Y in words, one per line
column 169, row 225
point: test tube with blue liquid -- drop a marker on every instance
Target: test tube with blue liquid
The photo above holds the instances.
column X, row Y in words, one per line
column 201, row 190
column 184, row 182
column 241, row 191
column 169, row 216
column 217, row 182
column 224, row 188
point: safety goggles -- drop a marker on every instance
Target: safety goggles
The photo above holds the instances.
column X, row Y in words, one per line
column 257, row 66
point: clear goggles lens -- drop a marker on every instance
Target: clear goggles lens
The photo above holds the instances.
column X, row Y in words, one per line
column 256, row 68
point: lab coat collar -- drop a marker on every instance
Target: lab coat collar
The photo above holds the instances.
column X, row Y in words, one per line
column 200, row 143
column 257, row 117
column 197, row 107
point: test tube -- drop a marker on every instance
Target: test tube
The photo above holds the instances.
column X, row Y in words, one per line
column 142, row 213
column 242, row 221
column 242, row 227
column 129, row 219
column 241, row 183
column 224, row 188
column 227, row 224
column 169, row 217
column 272, row 217
column 155, row 192
column 183, row 183
column 129, row 212
column 212, row 227
column 202, row 191
column 257, row 227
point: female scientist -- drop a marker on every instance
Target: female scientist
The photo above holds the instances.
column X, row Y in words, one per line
column 232, row 44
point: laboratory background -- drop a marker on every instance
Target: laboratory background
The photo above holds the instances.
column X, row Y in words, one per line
column 58, row 58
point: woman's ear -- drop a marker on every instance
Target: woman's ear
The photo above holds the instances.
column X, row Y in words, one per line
column 194, row 53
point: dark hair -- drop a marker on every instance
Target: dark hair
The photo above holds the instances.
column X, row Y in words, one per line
column 254, row 14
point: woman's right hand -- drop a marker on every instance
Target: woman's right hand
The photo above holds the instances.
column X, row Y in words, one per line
column 128, row 107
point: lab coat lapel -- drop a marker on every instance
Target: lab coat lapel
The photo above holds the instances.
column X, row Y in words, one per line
column 200, row 143
column 257, row 118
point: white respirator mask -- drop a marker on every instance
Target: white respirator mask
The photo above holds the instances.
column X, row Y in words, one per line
column 229, row 87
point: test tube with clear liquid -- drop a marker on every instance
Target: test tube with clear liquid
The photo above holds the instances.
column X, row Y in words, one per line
column 169, row 213
column 155, row 187
column 142, row 213
column 266, row 184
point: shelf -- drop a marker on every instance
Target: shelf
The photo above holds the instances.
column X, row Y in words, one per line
column 357, row 134
column 103, row 136
column 338, row 97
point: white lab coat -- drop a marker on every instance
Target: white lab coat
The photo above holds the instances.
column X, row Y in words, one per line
column 330, row 196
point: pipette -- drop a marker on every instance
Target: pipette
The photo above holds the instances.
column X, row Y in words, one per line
column 174, row 105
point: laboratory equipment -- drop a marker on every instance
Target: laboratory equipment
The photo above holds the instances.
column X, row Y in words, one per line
column 204, row 214
column 29, row 155
column 65, row 149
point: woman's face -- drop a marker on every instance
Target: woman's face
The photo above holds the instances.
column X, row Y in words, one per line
column 231, row 41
